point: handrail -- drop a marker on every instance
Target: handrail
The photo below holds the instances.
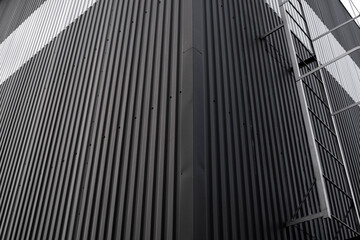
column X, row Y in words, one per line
column 346, row 108
column 328, row 63
column 335, row 28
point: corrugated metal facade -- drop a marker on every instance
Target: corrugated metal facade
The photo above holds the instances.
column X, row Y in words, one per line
column 162, row 120
column 252, row 156
column 333, row 14
column 255, row 152
column 91, row 138
column 13, row 13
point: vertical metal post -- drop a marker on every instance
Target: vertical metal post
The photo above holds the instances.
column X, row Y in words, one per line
column 340, row 147
column 320, row 183
column 333, row 118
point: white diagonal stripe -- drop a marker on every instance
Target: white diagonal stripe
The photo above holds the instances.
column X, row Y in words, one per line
column 345, row 71
column 52, row 17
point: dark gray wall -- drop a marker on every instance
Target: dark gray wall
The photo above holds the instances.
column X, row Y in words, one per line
column 252, row 156
column 94, row 144
column 100, row 131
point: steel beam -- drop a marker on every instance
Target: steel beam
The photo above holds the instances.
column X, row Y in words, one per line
column 335, row 28
column 346, row 108
column 328, row 63
column 318, row 172
column 272, row 31
column 322, row 214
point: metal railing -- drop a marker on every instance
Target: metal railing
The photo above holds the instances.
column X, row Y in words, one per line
column 322, row 180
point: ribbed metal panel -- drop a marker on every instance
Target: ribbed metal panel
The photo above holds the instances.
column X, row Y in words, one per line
column 101, row 130
column 93, row 129
column 333, row 13
column 254, row 159
column 348, row 122
column 13, row 13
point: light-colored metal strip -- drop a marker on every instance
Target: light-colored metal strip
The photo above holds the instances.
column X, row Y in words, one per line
column 336, row 129
column 335, row 28
column 307, row 218
column 328, row 63
column 318, row 172
column 341, row 151
column 346, row 108
column 272, row 31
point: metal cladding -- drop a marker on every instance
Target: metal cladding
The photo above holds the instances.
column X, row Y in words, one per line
column 333, row 13
column 165, row 120
column 252, row 168
column 13, row 13
column 92, row 133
